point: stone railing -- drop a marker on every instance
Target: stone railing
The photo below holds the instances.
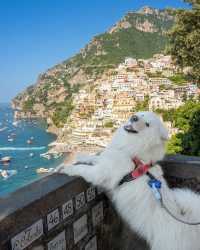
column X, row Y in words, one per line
column 59, row 212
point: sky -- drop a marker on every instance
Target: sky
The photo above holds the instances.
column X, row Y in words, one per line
column 37, row 34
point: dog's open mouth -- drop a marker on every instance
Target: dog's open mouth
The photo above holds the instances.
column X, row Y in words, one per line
column 130, row 129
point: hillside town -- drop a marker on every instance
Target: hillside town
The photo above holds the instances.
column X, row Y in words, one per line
column 101, row 108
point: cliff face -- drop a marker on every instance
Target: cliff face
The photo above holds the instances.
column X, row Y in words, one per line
column 146, row 19
column 138, row 34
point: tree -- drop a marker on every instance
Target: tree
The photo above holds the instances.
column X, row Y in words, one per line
column 174, row 146
column 62, row 112
column 109, row 124
column 191, row 139
column 187, row 119
column 142, row 105
column 184, row 38
column 28, row 105
column 167, row 115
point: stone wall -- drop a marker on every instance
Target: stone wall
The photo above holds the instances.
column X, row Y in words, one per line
column 59, row 212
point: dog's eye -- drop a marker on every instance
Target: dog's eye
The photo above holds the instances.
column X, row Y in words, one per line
column 134, row 118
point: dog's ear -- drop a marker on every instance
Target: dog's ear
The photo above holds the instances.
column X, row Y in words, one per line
column 164, row 133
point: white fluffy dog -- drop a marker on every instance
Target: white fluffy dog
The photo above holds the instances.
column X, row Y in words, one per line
column 144, row 136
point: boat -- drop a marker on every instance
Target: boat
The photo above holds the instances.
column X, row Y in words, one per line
column 46, row 155
column 29, row 141
column 44, row 170
column 10, row 139
column 4, row 174
column 7, row 173
column 31, row 154
column 15, row 123
column 2, row 129
column 5, row 159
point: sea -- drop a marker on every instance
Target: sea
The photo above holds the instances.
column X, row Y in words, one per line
column 25, row 158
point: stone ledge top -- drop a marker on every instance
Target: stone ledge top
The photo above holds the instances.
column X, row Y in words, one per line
column 32, row 192
column 184, row 159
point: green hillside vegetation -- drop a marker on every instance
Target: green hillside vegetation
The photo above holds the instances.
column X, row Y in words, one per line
column 142, row 106
column 184, row 39
column 64, row 109
column 28, row 105
column 109, row 124
column 187, row 119
column 167, row 115
column 162, row 24
column 116, row 46
column 184, row 47
column 130, row 42
column 62, row 112
column 178, row 79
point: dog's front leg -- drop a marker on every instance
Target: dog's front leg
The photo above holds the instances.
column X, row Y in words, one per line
column 89, row 173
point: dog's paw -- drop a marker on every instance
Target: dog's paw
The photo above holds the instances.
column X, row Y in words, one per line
column 69, row 170
column 63, row 169
column 86, row 159
column 87, row 173
column 59, row 169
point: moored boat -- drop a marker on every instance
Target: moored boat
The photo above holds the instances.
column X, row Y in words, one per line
column 7, row 173
column 44, row 170
column 15, row 123
column 29, row 141
column 4, row 174
column 46, row 155
column 5, row 159
column 2, row 129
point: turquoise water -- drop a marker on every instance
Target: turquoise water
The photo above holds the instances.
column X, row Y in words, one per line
column 25, row 157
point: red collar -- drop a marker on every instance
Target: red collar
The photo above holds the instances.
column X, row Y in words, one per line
column 140, row 169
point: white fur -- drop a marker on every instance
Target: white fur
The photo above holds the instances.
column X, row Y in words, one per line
column 134, row 200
